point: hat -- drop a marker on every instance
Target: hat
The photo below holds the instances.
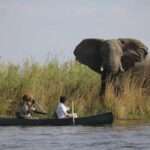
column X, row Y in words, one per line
column 27, row 97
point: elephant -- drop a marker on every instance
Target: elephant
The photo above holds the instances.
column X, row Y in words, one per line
column 110, row 57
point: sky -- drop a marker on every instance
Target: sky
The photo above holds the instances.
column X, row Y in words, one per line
column 46, row 29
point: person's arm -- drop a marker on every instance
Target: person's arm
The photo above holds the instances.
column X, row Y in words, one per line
column 64, row 110
column 68, row 114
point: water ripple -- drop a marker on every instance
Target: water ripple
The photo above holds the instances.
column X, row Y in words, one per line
column 85, row 138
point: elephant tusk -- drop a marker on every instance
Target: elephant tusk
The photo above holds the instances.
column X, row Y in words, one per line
column 101, row 69
column 121, row 68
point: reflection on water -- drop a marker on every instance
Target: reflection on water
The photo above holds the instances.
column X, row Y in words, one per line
column 116, row 137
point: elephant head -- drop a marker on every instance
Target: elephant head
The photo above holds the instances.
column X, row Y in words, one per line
column 110, row 57
column 100, row 55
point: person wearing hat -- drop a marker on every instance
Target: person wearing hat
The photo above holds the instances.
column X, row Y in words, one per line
column 26, row 107
column 62, row 111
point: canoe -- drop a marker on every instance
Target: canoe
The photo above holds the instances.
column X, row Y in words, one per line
column 97, row 120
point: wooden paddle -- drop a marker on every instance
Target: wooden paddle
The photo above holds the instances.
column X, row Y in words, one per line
column 39, row 107
column 73, row 119
column 39, row 112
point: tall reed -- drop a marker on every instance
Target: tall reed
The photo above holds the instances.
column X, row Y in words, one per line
column 49, row 81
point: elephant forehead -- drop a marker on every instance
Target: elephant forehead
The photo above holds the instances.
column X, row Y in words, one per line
column 114, row 47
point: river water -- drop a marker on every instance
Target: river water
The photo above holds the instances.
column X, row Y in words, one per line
column 115, row 137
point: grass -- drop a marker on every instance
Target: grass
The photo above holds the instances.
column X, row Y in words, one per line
column 47, row 82
column 133, row 103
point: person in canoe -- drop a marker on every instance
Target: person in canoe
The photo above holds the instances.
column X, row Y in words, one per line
column 62, row 111
column 27, row 107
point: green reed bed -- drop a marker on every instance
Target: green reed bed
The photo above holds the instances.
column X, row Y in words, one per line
column 48, row 81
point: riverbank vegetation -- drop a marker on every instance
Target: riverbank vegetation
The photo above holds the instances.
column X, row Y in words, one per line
column 80, row 84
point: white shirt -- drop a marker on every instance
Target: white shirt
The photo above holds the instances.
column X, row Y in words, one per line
column 61, row 111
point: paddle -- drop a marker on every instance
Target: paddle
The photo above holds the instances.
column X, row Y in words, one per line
column 39, row 112
column 73, row 119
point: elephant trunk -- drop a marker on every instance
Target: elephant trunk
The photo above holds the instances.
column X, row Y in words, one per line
column 114, row 53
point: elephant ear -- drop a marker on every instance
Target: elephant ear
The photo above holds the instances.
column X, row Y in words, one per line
column 87, row 52
column 133, row 51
